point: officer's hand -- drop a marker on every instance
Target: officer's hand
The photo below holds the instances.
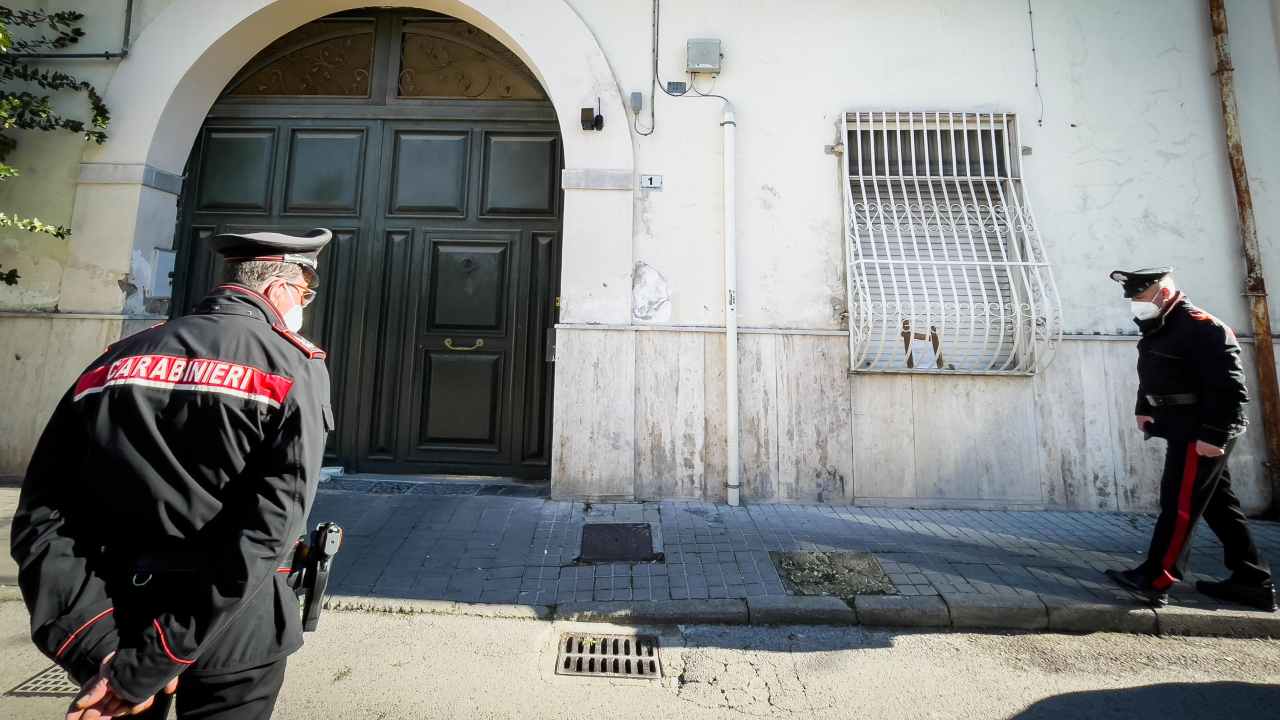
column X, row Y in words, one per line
column 97, row 701
column 1204, row 449
column 1143, row 420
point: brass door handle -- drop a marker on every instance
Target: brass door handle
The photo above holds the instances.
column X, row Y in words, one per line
column 448, row 342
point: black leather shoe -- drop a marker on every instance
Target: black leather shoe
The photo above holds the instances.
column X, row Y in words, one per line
column 1136, row 583
column 1260, row 597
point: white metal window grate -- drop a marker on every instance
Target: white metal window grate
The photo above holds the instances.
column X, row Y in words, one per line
column 947, row 272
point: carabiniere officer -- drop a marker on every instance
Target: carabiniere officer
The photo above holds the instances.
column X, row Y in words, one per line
column 160, row 511
column 1191, row 393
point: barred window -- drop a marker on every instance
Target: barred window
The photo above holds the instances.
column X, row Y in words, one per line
column 946, row 268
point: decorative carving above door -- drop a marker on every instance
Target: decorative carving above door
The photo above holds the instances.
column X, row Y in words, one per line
column 417, row 57
column 332, row 58
column 452, row 59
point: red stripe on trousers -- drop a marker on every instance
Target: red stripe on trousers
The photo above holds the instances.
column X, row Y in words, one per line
column 1182, row 527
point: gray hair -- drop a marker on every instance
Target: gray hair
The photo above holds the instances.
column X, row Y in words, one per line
column 258, row 274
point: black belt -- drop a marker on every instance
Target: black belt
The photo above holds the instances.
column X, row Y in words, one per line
column 1172, row 400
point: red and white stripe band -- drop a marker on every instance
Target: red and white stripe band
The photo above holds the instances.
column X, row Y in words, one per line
column 175, row 373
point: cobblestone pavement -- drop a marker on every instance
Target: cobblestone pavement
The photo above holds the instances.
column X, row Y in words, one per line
column 485, row 544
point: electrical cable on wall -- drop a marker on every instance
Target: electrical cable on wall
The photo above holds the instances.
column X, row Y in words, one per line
column 711, row 93
column 1035, row 63
column 656, row 83
column 653, row 79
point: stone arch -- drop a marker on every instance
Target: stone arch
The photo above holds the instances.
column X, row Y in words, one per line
column 184, row 58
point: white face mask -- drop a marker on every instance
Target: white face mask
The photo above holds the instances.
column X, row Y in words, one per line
column 1144, row 310
column 293, row 318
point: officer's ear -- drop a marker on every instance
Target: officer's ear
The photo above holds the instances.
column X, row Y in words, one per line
column 277, row 292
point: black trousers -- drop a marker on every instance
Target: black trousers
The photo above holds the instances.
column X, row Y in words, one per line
column 1195, row 486
column 242, row 695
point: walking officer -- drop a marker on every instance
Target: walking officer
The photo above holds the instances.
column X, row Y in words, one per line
column 160, row 511
column 1191, row 393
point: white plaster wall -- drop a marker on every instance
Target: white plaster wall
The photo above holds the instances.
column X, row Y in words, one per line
column 50, row 162
column 1128, row 168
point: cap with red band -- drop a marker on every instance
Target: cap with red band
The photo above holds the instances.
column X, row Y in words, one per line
column 1135, row 281
column 300, row 250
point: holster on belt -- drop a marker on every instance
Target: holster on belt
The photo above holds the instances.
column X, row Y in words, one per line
column 309, row 574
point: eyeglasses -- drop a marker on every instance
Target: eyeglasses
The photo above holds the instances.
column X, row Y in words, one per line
column 305, row 291
column 307, row 294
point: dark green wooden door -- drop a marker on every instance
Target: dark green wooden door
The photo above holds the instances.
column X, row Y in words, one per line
column 468, row 249
column 438, row 290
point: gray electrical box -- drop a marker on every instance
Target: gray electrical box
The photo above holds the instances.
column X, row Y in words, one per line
column 704, row 55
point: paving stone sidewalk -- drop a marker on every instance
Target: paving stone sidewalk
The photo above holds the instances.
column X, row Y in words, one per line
column 450, row 543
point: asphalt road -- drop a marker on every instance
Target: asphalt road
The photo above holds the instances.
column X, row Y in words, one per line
column 397, row 666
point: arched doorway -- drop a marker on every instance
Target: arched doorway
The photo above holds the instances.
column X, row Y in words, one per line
column 433, row 154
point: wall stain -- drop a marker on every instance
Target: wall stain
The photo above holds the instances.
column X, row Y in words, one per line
column 650, row 294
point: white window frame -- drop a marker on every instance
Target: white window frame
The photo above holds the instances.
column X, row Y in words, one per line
column 942, row 248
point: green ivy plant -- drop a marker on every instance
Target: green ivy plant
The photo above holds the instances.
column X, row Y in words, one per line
column 25, row 99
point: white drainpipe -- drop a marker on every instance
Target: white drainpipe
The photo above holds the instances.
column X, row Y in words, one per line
column 731, row 304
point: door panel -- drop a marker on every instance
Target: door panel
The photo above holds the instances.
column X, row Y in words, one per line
column 469, row 287
column 325, row 172
column 439, row 286
column 520, row 174
column 462, row 375
column 236, row 172
column 430, row 173
column 462, row 405
column 382, row 378
column 328, row 320
column 544, row 269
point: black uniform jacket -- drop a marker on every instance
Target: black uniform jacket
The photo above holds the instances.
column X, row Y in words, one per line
column 1185, row 350
column 167, row 493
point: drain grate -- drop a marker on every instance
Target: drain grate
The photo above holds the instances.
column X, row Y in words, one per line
column 50, row 682
column 623, row 656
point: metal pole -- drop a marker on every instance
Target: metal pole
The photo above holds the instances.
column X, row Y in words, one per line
column 1254, row 286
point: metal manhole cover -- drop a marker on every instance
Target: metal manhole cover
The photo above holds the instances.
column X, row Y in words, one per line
column 51, row 682
column 621, row 656
column 618, row 542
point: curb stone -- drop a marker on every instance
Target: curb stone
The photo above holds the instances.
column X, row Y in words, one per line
column 9, row 593
column 437, row 607
column 902, row 611
column 958, row 611
column 1003, row 612
column 1217, row 622
column 674, row 612
column 799, row 610
column 1077, row 616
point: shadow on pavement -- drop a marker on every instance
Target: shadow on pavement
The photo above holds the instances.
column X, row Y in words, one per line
column 1175, row 701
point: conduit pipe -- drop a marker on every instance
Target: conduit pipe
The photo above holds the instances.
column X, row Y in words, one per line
column 730, row 127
